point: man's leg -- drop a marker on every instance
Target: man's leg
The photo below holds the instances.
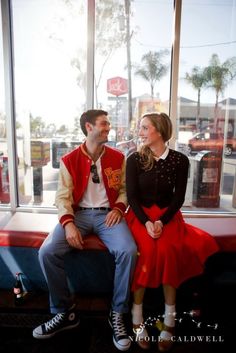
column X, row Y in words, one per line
column 120, row 243
column 51, row 258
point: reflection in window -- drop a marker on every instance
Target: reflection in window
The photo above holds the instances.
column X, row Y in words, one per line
column 207, row 102
column 50, row 39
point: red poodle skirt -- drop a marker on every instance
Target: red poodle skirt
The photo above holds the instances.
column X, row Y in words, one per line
column 176, row 256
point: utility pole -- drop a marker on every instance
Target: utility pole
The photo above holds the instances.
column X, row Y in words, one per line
column 127, row 17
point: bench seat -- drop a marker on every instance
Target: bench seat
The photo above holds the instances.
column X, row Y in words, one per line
column 92, row 269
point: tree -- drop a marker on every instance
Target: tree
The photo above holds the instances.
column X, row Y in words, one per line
column 50, row 130
column 220, row 75
column 152, row 68
column 36, row 126
column 76, row 125
column 2, row 125
column 108, row 36
column 79, row 63
column 63, row 130
column 108, row 39
column 198, row 79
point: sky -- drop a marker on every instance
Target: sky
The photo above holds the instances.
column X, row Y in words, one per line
column 49, row 34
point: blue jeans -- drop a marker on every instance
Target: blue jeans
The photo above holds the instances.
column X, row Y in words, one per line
column 119, row 242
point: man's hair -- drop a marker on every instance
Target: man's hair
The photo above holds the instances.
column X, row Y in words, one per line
column 90, row 116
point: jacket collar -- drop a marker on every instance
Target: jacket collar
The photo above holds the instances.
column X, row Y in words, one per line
column 84, row 150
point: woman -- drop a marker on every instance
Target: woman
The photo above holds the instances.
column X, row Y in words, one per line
column 171, row 251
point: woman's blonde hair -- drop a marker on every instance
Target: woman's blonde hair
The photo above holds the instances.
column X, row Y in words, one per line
column 163, row 125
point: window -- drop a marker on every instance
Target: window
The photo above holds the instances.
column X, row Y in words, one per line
column 4, row 176
column 132, row 62
column 207, row 86
column 132, row 76
column 50, row 39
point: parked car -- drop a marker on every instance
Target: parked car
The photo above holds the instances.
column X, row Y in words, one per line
column 127, row 147
column 212, row 142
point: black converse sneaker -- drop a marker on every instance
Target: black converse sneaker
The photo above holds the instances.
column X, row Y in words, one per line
column 61, row 321
column 120, row 337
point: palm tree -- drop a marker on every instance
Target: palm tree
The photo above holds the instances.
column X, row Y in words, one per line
column 220, row 75
column 198, row 79
column 152, row 68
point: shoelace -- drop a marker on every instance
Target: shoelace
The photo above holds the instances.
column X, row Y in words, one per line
column 54, row 321
column 118, row 325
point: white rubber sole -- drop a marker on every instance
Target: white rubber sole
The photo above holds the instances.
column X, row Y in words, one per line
column 117, row 345
column 43, row 337
column 120, row 347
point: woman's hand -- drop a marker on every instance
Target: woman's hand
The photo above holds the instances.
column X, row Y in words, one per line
column 158, row 225
column 153, row 229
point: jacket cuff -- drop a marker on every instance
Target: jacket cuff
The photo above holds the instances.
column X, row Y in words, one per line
column 120, row 206
column 66, row 219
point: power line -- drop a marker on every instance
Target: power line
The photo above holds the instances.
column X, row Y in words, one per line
column 208, row 45
column 187, row 46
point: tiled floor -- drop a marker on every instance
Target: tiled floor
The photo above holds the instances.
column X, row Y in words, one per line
column 212, row 332
column 94, row 336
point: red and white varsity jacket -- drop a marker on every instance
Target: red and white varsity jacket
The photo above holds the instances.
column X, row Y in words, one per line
column 74, row 175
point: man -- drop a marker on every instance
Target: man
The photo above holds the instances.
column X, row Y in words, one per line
column 91, row 198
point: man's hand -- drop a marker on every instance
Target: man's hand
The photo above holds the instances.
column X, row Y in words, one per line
column 113, row 217
column 153, row 229
column 73, row 236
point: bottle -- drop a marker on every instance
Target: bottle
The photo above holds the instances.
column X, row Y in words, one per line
column 18, row 290
column 196, row 305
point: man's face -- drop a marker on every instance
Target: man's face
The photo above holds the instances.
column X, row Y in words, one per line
column 100, row 131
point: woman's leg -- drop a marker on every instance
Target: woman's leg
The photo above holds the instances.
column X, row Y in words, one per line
column 165, row 342
column 169, row 294
column 137, row 308
column 137, row 319
column 170, row 299
column 139, row 295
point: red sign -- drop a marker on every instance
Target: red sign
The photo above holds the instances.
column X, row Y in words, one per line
column 117, row 86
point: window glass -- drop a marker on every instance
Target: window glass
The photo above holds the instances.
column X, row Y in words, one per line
column 207, row 103
column 132, row 63
column 50, row 39
column 4, row 177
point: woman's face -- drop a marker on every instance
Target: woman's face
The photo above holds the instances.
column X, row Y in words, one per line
column 148, row 133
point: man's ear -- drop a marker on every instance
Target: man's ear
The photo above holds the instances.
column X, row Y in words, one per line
column 88, row 126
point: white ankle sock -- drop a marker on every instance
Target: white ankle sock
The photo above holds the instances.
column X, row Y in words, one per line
column 137, row 313
column 169, row 320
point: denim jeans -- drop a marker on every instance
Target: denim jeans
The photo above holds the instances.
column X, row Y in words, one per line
column 120, row 244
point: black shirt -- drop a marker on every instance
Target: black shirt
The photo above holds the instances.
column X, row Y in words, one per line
column 163, row 185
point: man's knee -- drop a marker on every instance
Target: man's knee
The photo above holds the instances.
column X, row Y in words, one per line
column 132, row 249
column 129, row 249
column 43, row 253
